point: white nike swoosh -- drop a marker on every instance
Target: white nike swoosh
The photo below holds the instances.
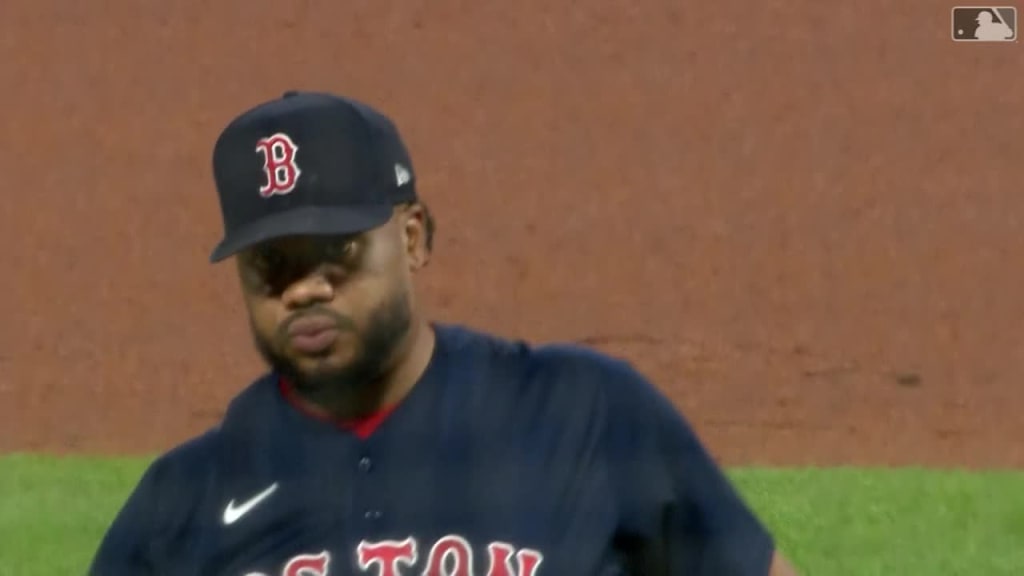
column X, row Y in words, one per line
column 232, row 513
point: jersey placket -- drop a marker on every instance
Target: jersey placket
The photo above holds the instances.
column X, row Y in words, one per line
column 367, row 511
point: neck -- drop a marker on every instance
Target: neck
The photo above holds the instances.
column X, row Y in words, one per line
column 411, row 362
column 407, row 365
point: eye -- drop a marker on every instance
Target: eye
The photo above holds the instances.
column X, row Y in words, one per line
column 264, row 270
column 345, row 251
column 264, row 258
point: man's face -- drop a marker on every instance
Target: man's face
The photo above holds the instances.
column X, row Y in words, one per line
column 331, row 310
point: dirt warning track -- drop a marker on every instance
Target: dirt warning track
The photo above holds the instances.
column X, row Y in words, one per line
column 802, row 220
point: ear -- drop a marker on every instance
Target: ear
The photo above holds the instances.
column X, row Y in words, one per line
column 413, row 222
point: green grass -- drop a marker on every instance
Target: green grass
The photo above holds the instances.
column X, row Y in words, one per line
column 832, row 522
column 894, row 522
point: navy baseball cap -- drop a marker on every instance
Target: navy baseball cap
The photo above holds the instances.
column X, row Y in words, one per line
column 308, row 163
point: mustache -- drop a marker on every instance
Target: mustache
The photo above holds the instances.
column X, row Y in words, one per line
column 343, row 322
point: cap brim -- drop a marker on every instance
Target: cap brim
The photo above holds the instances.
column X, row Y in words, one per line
column 307, row 220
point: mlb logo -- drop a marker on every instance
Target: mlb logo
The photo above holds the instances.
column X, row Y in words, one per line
column 984, row 24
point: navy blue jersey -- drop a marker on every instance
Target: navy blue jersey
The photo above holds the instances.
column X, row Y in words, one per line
column 504, row 460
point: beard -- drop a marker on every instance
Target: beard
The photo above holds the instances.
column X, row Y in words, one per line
column 374, row 351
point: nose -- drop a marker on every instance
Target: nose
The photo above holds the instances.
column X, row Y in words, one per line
column 314, row 288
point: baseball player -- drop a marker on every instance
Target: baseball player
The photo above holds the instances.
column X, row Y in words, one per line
column 380, row 442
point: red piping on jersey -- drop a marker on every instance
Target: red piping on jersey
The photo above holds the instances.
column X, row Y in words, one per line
column 362, row 427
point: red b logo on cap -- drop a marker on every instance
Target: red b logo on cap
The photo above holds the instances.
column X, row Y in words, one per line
column 278, row 164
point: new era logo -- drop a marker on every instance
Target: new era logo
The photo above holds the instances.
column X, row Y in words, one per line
column 402, row 175
column 984, row 24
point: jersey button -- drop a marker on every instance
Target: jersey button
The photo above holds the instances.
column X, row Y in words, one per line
column 365, row 464
column 372, row 514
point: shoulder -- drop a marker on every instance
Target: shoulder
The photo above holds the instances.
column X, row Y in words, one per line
column 556, row 356
column 193, row 452
column 183, row 466
column 186, row 471
column 166, row 495
column 559, row 367
column 200, row 452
